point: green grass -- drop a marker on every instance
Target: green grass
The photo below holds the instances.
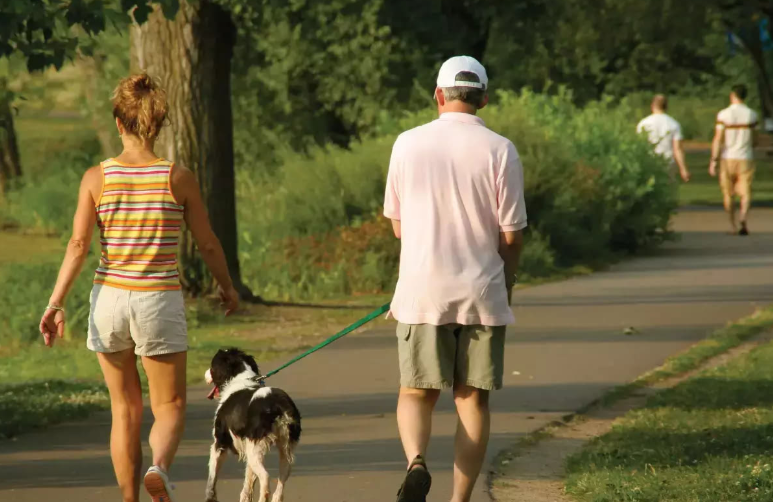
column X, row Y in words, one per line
column 708, row 439
column 21, row 248
column 704, row 190
column 65, row 382
column 34, row 405
column 718, row 342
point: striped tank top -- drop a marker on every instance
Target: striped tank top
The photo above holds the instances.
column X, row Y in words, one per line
column 140, row 223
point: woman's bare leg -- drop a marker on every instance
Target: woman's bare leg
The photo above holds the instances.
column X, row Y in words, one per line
column 123, row 382
column 166, row 381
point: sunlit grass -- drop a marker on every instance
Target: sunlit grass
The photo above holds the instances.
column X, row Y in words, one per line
column 709, row 438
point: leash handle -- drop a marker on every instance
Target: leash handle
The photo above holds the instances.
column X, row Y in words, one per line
column 381, row 310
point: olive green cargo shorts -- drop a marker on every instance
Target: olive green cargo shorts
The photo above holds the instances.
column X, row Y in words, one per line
column 436, row 357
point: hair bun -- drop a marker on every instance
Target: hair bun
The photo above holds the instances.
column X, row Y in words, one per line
column 143, row 83
column 140, row 104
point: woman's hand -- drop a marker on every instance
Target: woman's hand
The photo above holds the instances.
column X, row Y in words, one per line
column 52, row 325
column 229, row 299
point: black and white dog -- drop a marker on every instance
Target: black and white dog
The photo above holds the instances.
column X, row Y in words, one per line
column 250, row 418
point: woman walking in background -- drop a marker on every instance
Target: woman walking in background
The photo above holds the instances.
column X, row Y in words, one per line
column 139, row 201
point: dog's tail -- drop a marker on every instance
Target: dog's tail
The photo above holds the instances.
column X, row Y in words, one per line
column 287, row 430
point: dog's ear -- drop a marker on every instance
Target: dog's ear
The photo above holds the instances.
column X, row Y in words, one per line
column 220, row 353
column 252, row 364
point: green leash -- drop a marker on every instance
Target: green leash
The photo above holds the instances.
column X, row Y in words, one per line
column 381, row 310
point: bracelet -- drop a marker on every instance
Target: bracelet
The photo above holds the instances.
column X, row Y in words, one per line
column 54, row 307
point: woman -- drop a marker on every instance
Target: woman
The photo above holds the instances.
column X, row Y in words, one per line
column 139, row 201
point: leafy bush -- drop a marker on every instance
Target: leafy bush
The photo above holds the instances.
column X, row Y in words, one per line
column 593, row 189
column 309, row 226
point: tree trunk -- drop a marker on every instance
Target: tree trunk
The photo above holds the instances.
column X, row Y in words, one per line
column 10, row 165
column 191, row 56
column 757, row 53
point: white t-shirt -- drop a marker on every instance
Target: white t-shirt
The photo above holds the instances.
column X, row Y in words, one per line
column 662, row 130
column 737, row 120
column 454, row 185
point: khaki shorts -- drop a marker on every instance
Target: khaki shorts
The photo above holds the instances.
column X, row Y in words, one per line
column 150, row 322
column 436, row 357
column 735, row 176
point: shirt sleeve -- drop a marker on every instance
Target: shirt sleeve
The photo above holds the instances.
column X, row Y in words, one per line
column 640, row 127
column 392, row 195
column 678, row 132
column 510, row 200
column 720, row 121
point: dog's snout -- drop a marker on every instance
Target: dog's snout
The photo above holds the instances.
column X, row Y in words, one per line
column 208, row 376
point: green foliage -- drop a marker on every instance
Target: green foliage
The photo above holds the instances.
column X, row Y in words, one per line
column 25, row 302
column 45, row 200
column 709, row 438
column 46, row 32
column 593, row 189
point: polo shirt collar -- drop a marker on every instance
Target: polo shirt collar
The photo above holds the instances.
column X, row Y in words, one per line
column 465, row 118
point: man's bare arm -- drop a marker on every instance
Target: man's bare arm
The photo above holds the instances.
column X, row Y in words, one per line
column 716, row 146
column 510, row 246
column 396, row 228
column 680, row 160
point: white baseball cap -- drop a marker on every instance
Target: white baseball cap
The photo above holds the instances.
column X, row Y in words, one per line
column 451, row 68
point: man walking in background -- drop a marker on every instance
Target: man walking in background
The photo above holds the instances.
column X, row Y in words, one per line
column 665, row 134
column 734, row 138
column 455, row 197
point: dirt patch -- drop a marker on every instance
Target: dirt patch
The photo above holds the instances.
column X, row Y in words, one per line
column 533, row 469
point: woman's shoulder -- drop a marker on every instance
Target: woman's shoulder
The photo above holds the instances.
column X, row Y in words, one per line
column 182, row 181
column 93, row 176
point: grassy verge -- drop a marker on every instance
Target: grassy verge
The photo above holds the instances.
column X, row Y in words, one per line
column 718, row 342
column 33, row 405
column 704, row 190
column 708, row 438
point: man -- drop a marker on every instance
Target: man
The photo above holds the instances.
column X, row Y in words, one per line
column 455, row 197
column 665, row 134
column 734, row 136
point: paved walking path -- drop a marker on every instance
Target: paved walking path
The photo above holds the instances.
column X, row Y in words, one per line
column 566, row 350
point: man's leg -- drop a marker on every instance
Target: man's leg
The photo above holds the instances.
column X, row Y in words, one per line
column 727, row 184
column 414, row 419
column 479, row 369
column 472, row 433
column 744, row 189
column 427, row 358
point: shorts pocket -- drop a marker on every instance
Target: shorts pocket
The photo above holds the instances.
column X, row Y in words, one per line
column 102, row 313
column 403, row 331
column 161, row 319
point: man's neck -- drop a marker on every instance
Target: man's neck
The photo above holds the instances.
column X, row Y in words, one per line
column 736, row 102
column 658, row 111
column 457, row 107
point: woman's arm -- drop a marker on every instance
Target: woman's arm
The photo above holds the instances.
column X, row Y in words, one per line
column 52, row 323
column 185, row 188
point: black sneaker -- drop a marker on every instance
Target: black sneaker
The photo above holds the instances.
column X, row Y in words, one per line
column 744, row 230
column 417, row 482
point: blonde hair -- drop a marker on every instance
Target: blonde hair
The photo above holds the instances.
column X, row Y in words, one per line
column 141, row 106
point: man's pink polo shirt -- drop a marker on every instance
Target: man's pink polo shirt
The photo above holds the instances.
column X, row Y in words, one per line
column 454, row 185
